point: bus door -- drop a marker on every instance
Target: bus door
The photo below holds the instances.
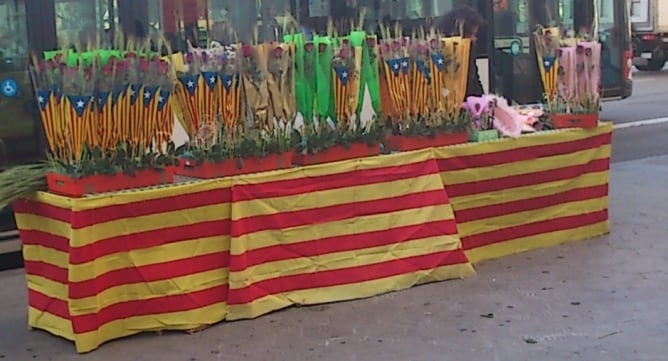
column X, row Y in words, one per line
column 18, row 123
column 614, row 32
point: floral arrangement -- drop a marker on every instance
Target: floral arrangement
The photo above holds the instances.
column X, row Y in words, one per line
column 490, row 112
column 90, row 102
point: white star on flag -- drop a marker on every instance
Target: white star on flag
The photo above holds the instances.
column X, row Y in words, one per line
column 80, row 104
column 191, row 84
column 404, row 64
column 344, row 75
column 396, row 66
column 212, row 79
column 440, row 61
column 147, row 95
column 41, row 99
column 161, row 99
column 229, row 82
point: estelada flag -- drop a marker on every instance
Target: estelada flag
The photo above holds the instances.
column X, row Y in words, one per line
column 188, row 101
column 342, row 92
column 77, row 109
column 165, row 125
column 120, row 104
column 46, row 102
column 135, row 113
column 230, row 99
column 207, row 96
column 105, row 120
column 150, row 115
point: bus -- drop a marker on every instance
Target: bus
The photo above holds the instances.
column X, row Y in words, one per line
column 506, row 55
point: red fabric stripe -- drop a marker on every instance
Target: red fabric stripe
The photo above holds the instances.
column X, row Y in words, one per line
column 48, row 304
column 31, row 237
column 150, row 273
column 42, row 209
column 344, row 243
column 153, row 306
column 523, row 180
column 303, row 185
column 344, row 276
column 337, row 212
column 91, row 217
column 503, row 209
column 522, row 154
column 149, row 239
column 46, row 270
column 534, row 229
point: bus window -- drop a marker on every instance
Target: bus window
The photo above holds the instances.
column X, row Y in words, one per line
column 82, row 21
column 18, row 142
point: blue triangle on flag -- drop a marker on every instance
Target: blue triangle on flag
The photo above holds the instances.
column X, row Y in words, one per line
column 439, row 60
column 405, row 62
column 57, row 92
column 102, row 98
column 163, row 99
column 423, row 68
column 343, row 74
column 210, row 78
column 548, row 62
column 227, row 81
column 43, row 97
column 190, row 83
column 395, row 65
column 135, row 89
column 79, row 103
column 117, row 94
column 149, row 94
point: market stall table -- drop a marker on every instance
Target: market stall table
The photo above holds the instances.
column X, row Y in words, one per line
column 189, row 255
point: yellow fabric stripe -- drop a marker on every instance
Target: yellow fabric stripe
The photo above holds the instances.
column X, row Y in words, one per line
column 544, row 214
column 153, row 222
column 29, row 222
column 94, row 202
column 317, row 170
column 529, row 140
column 529, row 192
column 149, row 256
column 540, row 241
column 525, row 167
column 376, row 222
column 347, row 292
column 187, row 320
column 51, row 323
column 332, row 197
column 147, row 290
column 342, row 260
column 46, row 255
column 48, row 287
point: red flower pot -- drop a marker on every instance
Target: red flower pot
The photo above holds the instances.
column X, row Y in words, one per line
column 78, row 187
column 230, row 167
column 405, row 143
column 561, row 121
column 338, row 153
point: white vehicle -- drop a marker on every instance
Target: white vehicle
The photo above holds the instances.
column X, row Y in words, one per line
column 650, row 34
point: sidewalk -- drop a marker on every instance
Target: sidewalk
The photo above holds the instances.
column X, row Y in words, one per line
column 602, row 299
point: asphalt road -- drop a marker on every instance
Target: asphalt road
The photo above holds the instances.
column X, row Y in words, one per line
column 649, row 101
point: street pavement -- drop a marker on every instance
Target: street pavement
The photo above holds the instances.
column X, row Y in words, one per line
column 595, row 300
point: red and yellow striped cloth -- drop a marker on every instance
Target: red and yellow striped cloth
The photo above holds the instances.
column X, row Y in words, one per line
column 532, row 192
column 189, row 255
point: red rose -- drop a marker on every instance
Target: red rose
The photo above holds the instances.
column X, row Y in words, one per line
column 107, row 69
column 371, row 42
column 433, row 43
column 278, row 52
column 404, row 41
column 155, row 57
column 559, row 53
column 58, row 57
column 52, row 64
column 41, row 66
column 384, row 48
column 113, row 59
column 246, row 50
column 308, row 47
column 344, row 53
column 143, row 65
column 131, row 55
column 345, row 42
column 189, row 58
column 322, row 47
column 205, row 57
column 580, row 49
column 396, row 45
column 163, row 67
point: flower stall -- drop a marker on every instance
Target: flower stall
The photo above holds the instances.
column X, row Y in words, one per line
column 313, row 170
